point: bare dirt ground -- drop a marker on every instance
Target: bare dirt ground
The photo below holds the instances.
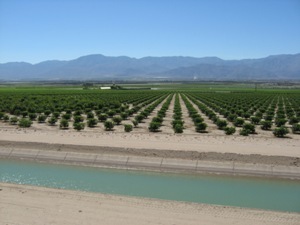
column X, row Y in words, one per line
column 28, row 205
column 257, row 149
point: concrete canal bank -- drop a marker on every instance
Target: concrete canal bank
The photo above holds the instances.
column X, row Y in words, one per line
column 162, row 164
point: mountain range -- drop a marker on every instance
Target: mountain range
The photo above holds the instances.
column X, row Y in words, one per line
column 100, row 67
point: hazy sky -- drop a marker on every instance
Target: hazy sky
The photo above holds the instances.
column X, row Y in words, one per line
column 37, row 30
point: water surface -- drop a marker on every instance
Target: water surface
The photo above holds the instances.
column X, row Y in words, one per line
column 263, row 193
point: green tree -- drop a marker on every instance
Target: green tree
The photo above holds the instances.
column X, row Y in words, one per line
column 238, row 122
column 268, row 117
column 124, row 115
column 78, row 126
column 293, row 120
column 198, row 119
column 266, row 125
column 221, row 124
column 13, row 120
column 78, row 119
column 68, row 111
column 247, row 115
column 231, row 117
column 56, row 114
column 280, row 122
column 255, row 120
column 67, row 116
column 177, row 122
column 296, row 128
column 102, row 117
column 117, row 119
column 24, row 114
column 111, row 113
column 201, row 127
column 32, row 116
column 280, row 131
column 77, row 113
column 5, row 118
column 154, row 126
column 229, row 130
column 24, row 123
column 244, row 132
column 145, row 114
column 42, row 118
column 90, row 115
column 92, row 122
column 109, row 125
column 157, row 119
column 135, row 123
column 17, row 112
column 139, row 118
column 88, row 110
column 47, row 112
column 52, row 120
column 64, row 124
column 178, row 128
column 250, row 127
column 128, row 127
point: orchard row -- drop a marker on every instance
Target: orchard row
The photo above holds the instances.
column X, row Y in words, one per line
column 276, row 111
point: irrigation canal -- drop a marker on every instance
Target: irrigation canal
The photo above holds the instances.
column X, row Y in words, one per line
column 250, row 192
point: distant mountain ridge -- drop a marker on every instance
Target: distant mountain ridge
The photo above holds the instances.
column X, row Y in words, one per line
column 100, row 67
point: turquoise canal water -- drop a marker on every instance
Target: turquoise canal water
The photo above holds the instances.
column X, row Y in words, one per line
column 263, row 193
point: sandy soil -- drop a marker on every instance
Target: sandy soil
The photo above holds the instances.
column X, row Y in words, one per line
column 29, row 205
column 157, row 141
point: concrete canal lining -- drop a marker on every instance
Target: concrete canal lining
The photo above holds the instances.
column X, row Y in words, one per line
column 152, row 163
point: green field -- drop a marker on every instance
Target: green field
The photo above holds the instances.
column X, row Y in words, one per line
column 232, row 107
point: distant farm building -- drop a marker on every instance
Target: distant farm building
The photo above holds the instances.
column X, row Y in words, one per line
column 105, row 88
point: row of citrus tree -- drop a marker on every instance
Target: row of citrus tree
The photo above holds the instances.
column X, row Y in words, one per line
column 268, row 111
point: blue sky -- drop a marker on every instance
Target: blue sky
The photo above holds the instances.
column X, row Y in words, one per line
column 38, row 30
